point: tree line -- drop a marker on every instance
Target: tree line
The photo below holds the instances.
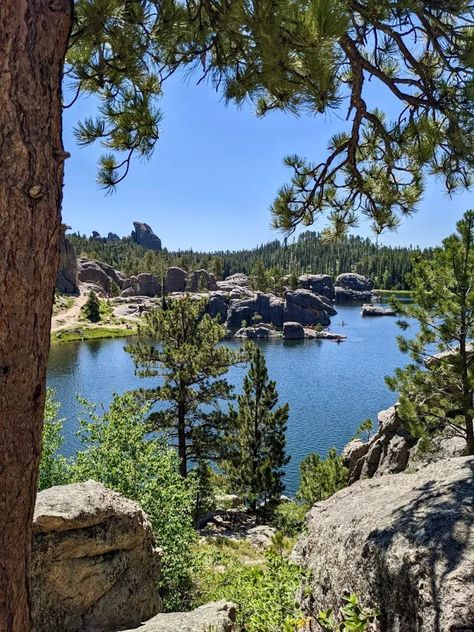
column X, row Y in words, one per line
column 388, row 266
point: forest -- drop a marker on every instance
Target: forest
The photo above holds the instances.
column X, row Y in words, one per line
column 389, row 267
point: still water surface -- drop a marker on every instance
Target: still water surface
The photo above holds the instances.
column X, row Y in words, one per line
column 330, row 387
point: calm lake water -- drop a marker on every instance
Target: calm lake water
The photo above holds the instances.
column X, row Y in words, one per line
column 330, row 387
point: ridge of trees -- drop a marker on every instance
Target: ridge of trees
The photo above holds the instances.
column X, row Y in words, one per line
column 388, row 266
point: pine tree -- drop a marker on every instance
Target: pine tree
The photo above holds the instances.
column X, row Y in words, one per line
column 92, row 307
column 258, row 278
column 321, row 478
column 437, row 389
column 186, row 357
column 257, row 437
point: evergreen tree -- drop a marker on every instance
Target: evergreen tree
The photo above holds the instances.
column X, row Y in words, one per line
column 321, row 478
column 258, row 278
column 437, row 389
column 256, row 437
column 217, row 267
column 186, row 357
column 92, row 307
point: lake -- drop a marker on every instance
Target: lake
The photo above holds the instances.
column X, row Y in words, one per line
column 330, row 387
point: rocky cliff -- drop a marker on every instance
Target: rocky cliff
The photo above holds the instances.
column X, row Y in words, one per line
column 403, row 542
column 143, row 235
column 66, row 279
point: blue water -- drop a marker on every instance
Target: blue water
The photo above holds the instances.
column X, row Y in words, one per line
column 330, row 387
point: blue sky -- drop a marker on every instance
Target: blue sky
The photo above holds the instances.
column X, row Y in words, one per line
column 214, row 174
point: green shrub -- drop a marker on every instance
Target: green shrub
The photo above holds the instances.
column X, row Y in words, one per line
column 91, row 307
column 321, row 478
column 53, row 466
column 289, row 518
column 265, row 591
column 352, row 617
column 123, row 457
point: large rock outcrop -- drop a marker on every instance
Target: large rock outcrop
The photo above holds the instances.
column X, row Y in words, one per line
column 66, row 279
column 100, row 274
column 175, row 280
column 94, row 565
column 353, row 287
column 144, row 284
column 143, row 235
column 201, row 280
column 321, row 284
column 403, row 542
column 387, row 451
column 306, row 308
column 218, row 616
column 268, row 307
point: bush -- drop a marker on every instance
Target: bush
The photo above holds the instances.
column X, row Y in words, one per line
column 321, row 478
column 289, row 518
column 352, row 617
column 265, row 592
column 53, row 466
column 120, row 455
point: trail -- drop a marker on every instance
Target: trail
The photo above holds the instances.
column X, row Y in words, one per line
column 69, row 317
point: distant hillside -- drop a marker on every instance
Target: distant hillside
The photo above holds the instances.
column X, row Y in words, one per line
column 387, row 266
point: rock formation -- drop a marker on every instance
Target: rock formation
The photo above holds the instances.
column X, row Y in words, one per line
column 94, row 565
column 112, row 237
column 387, row 452
column 376, row 310
column 218, row 616
column 143, row 284
column 175, row 280
column 307, row 308
column 403, row 542
column 66, row 279
column 200, row 280
column 318, row 283
column 353, row 287
column 143, row 235
column 100, row 274
column 293, row 331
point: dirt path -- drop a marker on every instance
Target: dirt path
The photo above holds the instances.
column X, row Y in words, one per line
column 69, row 317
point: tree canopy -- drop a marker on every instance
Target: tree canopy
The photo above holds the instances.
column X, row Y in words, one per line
column 310, row 56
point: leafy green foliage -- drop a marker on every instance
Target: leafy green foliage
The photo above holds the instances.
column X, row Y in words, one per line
column 259, row 278
column 289, row 517
column 120, row 454
column 437, row 388
column 321, row 478
column 352, row 617
column 256, row 437
column 191, row 366
column 53, row 466
column 91, row 308
column 265, row 593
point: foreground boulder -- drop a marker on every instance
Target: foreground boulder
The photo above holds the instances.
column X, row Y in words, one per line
column 218, row 616
column 175, row 279
column 404, row 543
column 94, row 565
column 293, row 331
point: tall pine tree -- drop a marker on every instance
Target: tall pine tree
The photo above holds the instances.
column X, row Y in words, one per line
column 184, row 353
column 437, row 389
column 257, row 437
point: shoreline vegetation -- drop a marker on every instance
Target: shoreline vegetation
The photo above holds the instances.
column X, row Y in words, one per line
column 97, row 332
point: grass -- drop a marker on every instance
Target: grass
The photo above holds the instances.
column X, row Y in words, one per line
column 91, row 333
column 396, row 293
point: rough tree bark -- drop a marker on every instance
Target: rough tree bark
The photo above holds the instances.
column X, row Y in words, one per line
column 33, row 40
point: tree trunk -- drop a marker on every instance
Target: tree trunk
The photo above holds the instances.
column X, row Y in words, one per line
column 183, row 464
column 33, row 40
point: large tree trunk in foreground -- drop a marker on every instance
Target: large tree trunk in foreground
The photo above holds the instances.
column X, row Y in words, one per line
column 33, row 40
